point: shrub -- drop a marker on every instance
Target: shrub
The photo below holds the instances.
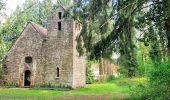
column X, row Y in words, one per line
column 123, row 71
column 89, row 75
column 53, row 87
column 110, row 78
column 160, row 75
column 158, row 86
column 2, row 81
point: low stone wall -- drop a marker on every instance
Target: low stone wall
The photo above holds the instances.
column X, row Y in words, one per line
column 104, row 69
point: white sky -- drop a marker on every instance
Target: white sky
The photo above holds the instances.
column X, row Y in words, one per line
column 11, row 6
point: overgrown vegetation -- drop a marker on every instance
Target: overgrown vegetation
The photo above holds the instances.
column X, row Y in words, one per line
column 89, row 73
column 158, row 85
column 47, row 93
column 138, row 30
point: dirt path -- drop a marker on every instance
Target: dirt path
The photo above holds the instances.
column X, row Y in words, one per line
column 94, row 97
column 83, row 97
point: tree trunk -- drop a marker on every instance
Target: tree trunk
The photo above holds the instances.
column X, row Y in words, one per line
column 168, row 33
column 167, row 24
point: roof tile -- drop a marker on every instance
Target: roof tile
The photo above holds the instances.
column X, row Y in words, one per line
column 39, row 29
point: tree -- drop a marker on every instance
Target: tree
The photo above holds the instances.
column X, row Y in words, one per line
column 114, row 40
column 149, row 17
column 2, row 5
column 167, row 21
column 14, row 25
column 65, row 3
column 2, row 44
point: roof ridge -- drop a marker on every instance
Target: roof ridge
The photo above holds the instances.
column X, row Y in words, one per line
column 39, row 29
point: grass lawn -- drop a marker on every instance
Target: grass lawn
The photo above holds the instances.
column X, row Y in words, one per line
column 111, row 87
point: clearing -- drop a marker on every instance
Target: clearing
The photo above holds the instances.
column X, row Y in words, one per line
column 117, row 88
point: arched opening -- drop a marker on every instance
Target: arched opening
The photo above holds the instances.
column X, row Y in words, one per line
column 58, row 72
column 27, row 78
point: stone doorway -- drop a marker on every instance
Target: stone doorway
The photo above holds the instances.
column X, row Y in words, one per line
column 27, row 78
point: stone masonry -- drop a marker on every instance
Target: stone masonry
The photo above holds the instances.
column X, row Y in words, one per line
column 41, row 57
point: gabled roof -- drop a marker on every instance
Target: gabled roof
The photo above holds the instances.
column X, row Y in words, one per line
column 39, row 29
column 60, row 6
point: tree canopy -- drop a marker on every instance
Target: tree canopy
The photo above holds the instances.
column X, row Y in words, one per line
column 108, row 26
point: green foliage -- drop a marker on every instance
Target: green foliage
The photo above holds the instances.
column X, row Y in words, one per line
column 53, row 87
column 2, row 5
column 4, row 86
column 49, row 93
column 123, row 71
column 160, row 74
column 145, row 67
column 110, row 78
column 144, row 60
column 150, row 92
column 15, row 24
column 1, row 72
column 158, row 86
column 65, row 3
column 89, row 74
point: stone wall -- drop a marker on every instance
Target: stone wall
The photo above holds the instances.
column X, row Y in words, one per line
column 104, row 69
column 27, row 44
column 79, row 62
column 56, row 50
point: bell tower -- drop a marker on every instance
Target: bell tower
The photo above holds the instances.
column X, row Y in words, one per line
column 63, row 64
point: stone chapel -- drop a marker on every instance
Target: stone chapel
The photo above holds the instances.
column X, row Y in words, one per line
column 41, row 56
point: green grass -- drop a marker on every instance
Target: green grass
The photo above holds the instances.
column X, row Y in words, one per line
column 97, row 88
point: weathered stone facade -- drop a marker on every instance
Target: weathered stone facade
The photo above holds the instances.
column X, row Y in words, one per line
column 47, row 56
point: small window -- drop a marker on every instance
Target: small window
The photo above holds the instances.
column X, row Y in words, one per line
column 60, row 15
column 58, row 72
column 59, row 26
column 5, row 69
column 28, row 60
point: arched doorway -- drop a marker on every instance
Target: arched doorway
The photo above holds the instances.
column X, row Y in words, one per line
column 27, row 78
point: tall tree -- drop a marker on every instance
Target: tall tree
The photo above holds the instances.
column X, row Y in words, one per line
column 121, row 38
column 150, row 17
column 14, row 25
column 65, row 3
column 167, row 21
column 2, row 6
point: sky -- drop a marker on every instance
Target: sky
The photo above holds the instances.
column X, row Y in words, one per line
column 11, row 6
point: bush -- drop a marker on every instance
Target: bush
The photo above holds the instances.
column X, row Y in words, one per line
column 53, row 87
column 143, row 68
column 149, row 92
column 160, row 74
column 110, row 78
column 123, row 71
column 89, row 75
column 2, row 82
column 158, row 86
